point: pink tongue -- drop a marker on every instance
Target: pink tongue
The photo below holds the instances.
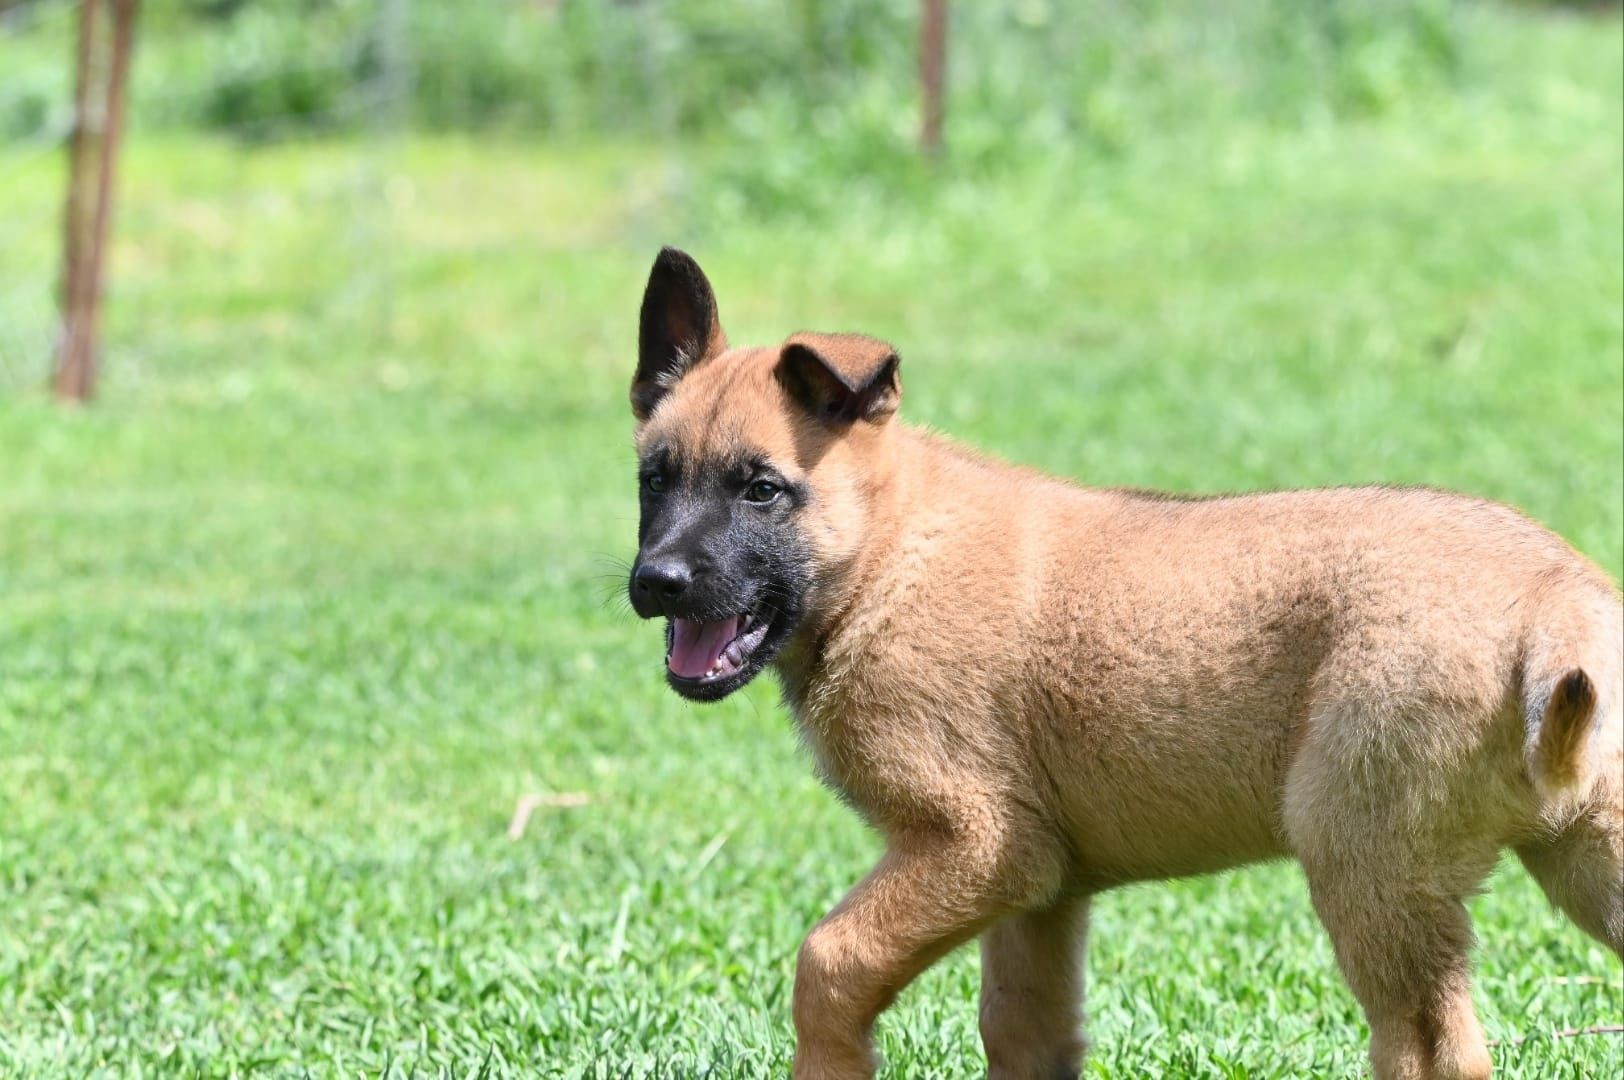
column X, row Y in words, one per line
column 697, row 646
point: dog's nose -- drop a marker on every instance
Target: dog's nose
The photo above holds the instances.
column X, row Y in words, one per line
column 662, row 581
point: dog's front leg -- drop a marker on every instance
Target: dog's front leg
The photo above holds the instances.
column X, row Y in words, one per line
column 923, row 899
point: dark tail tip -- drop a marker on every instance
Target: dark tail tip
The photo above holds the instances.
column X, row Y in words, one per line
column 1563, row 728
column 1575, row 694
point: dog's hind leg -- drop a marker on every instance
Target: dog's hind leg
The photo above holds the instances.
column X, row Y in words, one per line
column 1031, row 993
column 1581, row 868
column 1403, row 949
column 1388, row 869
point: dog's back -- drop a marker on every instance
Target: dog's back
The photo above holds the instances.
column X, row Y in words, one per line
column 1161, row 671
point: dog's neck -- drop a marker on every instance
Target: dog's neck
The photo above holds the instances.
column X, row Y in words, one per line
column 901, row 456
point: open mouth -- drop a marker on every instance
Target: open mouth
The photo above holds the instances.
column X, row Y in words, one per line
column 711, row 651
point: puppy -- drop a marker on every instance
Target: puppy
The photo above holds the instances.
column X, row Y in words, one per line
column 1035, row 691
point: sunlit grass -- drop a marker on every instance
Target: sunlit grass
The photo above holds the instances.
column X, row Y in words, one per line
column 325, row 582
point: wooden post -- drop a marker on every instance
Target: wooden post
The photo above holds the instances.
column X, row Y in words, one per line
column 70, row 356
column 932, row 74
column 92, row 168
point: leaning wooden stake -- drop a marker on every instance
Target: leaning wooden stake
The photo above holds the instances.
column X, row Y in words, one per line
column 76, row 217
column 932, row 74
column 92, row 159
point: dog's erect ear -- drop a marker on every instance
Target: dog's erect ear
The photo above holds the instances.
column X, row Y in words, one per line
column 677, row 329
column 842, row 378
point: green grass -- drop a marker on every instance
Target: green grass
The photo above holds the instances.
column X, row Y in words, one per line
column 292, row 617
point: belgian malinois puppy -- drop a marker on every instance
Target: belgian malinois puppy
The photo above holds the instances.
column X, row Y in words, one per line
column 1035, row 691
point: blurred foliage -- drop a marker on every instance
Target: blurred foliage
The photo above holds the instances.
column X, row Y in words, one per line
column 799, row 93
column 1022, row 71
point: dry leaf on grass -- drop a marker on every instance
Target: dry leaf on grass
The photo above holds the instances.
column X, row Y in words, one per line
column 529, row 804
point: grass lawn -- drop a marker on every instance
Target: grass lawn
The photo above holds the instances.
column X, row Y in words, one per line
column 292, row 617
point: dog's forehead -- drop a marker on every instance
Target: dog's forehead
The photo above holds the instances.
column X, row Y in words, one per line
column 725, row 409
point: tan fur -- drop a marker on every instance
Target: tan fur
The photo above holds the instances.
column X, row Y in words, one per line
column 1036, row 691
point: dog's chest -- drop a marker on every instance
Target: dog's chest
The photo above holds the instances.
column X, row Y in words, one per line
column 829, row 710
column 896, row 746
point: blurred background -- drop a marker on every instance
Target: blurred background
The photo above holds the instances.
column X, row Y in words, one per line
column 320, row 587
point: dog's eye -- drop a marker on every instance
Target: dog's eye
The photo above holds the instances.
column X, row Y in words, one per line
column 655, row 482
column 762, row 491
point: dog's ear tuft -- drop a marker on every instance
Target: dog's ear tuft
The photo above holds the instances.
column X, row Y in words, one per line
column 678, row 328
column 842, row 378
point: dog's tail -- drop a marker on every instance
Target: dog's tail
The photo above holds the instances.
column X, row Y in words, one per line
column 1572, row 674
column 1557, row 757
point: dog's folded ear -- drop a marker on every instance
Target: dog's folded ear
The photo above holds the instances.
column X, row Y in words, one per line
column 678, row 328
column 841, row 378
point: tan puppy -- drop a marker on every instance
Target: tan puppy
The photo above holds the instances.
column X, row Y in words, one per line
column 1036, row 691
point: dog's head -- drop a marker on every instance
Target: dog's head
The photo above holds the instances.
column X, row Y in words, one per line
column 757, row 471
